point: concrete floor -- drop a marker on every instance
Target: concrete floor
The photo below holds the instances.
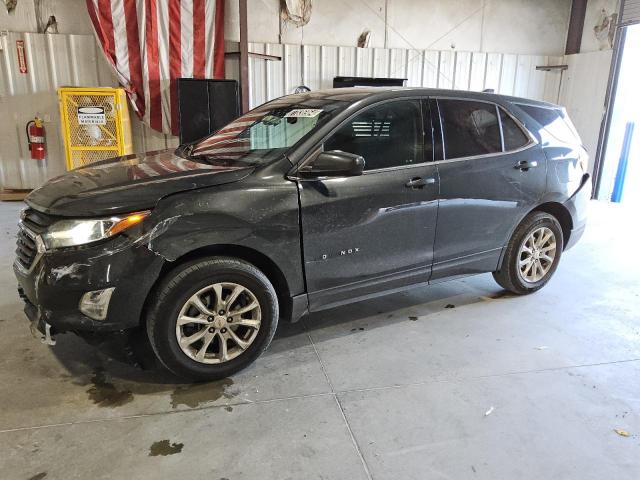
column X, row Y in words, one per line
column 453, row 381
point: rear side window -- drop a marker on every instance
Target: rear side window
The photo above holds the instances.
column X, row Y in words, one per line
column 388, row 135
column 553, row 121
column 470, row 128
column 513, row 135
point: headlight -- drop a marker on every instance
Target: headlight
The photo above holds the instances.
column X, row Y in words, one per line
column 72, row 233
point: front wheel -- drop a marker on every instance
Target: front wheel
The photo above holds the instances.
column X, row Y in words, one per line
column 532, row 254
column 212, row 317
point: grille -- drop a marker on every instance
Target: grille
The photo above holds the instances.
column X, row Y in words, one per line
column 33, row 223
column 27, row 250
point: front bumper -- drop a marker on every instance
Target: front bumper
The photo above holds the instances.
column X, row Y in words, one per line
column 53, row 287
column 578, row 206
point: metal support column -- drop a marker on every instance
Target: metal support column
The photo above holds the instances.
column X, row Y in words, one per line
column 244, row 57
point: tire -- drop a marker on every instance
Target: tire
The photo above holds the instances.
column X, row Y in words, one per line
column 510, row 276
column 211, row 280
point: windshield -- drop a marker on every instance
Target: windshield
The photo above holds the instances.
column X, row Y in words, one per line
column 266, row 132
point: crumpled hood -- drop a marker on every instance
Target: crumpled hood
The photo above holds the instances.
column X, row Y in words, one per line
column 126, row 184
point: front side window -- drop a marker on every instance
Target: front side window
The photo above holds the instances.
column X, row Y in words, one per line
column 470, row 128
column 388, row 135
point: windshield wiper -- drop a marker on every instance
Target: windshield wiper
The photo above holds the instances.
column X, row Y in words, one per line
column 185, row 150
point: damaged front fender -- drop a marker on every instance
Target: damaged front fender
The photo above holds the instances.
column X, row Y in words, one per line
column 263, row 220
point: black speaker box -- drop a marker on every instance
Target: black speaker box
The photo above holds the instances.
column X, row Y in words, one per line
column 205, row 106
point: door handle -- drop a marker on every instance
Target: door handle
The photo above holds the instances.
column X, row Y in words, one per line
column 419, row 182
column 525, row 165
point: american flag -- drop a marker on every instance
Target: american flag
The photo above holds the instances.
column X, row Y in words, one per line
column 152, row 43
column 229, row 141
column 163, row 164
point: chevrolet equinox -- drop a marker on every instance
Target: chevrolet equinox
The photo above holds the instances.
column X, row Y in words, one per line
column 307, row 202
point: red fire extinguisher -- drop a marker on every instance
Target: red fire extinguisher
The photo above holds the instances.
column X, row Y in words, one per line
column 36, row 139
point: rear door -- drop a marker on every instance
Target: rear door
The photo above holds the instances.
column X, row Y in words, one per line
column 492, row 173
column 374, row 232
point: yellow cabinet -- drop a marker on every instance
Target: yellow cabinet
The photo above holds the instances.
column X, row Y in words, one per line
column 95, row 124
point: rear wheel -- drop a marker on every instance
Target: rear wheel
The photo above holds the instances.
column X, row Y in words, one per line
column 532, row 254
column 211, row 318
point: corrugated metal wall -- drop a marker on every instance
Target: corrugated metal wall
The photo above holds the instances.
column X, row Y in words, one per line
column 315, row 67
column 75, row 60
column 52, row 61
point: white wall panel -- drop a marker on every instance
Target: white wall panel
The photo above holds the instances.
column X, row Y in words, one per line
column 583, row 92
column 258, row 92
column 52, row 61
column 478, row 71
column 346, row 61
column 551, row 91
column 415, row 63
column 508, row 72
column 493, row 72
column 447, row 69
column 292, row 68
column 330, row 67
column 523, row 73
column 462, row 75
column 312, row 67
column 431, row 69
column 364, row 62
column 398, row 63
column 275, row 72
column 381, row 63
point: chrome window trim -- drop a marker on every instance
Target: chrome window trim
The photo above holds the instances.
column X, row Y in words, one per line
column 397, row 167
column 500, row 125
column 485, row 155
column 532, row 140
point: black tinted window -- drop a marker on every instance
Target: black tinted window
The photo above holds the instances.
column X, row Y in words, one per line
column 385, row 136
column 470, row 128
column 553, row 121
column 514, row 137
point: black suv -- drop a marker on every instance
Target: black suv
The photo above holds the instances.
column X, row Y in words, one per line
column 307, row 202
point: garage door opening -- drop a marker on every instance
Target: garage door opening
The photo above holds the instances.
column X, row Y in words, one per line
column 620, row 174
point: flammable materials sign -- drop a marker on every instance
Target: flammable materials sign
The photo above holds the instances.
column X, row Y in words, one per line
column 91, row 116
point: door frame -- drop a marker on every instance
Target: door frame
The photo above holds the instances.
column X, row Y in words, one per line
column 317, row 148
column 440, row 152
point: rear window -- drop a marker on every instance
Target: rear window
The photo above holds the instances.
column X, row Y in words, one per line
column 470, row 128
column 513, row 135
column 554, row 122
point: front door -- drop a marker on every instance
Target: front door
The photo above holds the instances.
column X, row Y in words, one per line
column 492, row 174
column 374, row 232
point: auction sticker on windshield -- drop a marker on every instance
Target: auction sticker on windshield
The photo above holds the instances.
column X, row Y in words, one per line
column 304, row 113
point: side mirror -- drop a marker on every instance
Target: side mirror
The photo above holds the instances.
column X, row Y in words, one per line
column 333, row 164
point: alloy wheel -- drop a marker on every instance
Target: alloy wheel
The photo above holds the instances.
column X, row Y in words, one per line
column 218, row 323
column 536, row 255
